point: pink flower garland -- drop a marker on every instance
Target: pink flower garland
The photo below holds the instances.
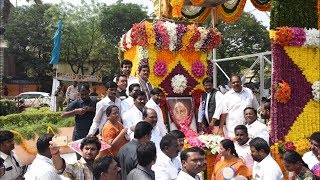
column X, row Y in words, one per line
column 198, row 69
column 160, row 68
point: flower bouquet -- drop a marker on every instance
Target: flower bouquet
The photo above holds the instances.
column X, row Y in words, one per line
column 211, row 142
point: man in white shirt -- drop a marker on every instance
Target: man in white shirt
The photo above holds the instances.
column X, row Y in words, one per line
column 180, row 138
column 122, row 83
column 150, row 116
column 101, row 118
column 191, row 162
column 255, row 127
column 11, row 161
column 236, row 99
column 212, row 114
column 127, row 103
column 164, row 167
column 134, row 115
column 154, row 103
column 312, row 157
column 72, row 92
column 42, row 167
column 126, row 67
column 242, row 145
column 264, row 167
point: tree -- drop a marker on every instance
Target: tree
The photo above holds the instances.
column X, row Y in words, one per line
column 246, row 36
column 117, row 19
column 28, row 33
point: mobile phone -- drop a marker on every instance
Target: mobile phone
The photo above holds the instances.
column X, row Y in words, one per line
column 60, row 140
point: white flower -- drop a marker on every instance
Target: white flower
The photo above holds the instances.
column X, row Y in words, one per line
column 203, row 34
column 128, row 39
column 121, row 43
column 212, row 142
column 179, row 83
column 172, row 31
column 316, row 90
column 142, row 53
column 312, row 38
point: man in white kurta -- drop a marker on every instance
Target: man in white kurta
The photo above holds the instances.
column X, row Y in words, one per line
column 134, row 115
column 153, row 103
column 101, row 118
column 255, row 127
column 128, row 103
column 264, row 166
column 150, row 116
column 126, row 67
column 242, row 145
column 312, row 157
column 42, row 167
column 164, row 167
column 191, row 162
column 236, row 100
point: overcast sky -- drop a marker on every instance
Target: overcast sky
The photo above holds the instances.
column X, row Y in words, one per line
column 261, row 16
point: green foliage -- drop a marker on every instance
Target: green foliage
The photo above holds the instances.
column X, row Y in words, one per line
column 117, row 19
column 30, row 40
column 246, row 36
column 294, row 13
column 7, row 107
column 33, row 122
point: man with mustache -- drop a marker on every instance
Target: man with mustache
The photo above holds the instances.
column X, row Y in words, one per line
column 143, row 80
column 192, row 164
column 82, row 169
column 236, row 100
column 312, row 157
column 100, row 117
column 242, row 145
column 164, row 167
column 13, row 167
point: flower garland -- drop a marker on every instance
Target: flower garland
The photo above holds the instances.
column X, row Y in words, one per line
column 23, row 143
column 176, row 8
column 160, row 68
column 179, row 83
column 283, row 92
column 231, row 11
column 292, row 36
column 316, row 90
column 170, row 36
column 197, row 2
column 198, row 69
column 262, row 5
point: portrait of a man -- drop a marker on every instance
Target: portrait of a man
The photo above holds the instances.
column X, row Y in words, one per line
column 181, row 112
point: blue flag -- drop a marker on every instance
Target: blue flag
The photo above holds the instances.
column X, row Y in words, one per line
column 55, row 54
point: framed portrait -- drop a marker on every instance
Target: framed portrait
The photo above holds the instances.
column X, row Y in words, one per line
column 181, row 112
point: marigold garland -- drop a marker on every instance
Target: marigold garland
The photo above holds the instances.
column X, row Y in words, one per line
column 23, row 143
column 283, row 92
column 283, row 36
column 197, row 2
column 166, row 56
column 176, row 8
column 231, row 15
column 261, row 6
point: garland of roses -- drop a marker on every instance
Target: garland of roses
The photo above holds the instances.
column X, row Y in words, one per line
column 262, row 5
column 231, row 14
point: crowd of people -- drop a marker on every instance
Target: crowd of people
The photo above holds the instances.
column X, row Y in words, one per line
column 130, row 120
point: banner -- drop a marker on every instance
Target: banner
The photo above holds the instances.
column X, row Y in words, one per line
column 78, row 77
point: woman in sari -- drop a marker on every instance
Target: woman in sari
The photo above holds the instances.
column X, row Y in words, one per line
column 298, row 169
column 113, row 132
column 230, row 164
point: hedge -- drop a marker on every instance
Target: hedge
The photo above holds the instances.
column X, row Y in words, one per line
column 8, row 107
column 34, row 122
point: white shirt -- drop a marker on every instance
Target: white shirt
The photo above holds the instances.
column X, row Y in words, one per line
column 184, row 176
column 164, row 168
column 160, row 123
column 177, row 162
column 131, row 118
column 11, row 162
column 267, row 169
column 220, row 108
column 235, row 103
column 156, row 137
column 72, row 92
column 126, row 104
column 258, row 129
column 310, row 159
column 42, row 168
column 244, row 153
column 101, row 118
